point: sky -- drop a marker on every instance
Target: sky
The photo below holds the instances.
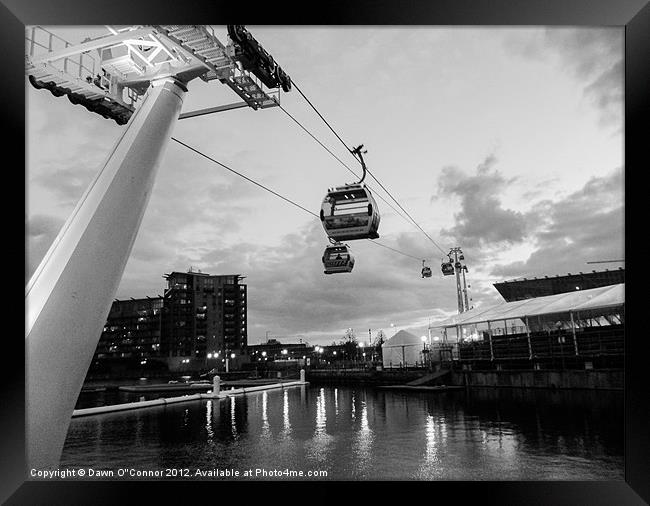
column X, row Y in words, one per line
column 504, row 141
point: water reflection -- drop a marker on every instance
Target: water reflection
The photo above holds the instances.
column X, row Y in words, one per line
column 318, row 447
column 208, row 421
column 358, row 433
column 362, row 447
column 286, row 423
column 266, row 430
column 233, row 418
column 336, row 402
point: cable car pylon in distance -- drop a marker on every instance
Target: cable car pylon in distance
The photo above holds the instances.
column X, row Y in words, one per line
column 426, row 270
column 349, row 212
column 337, row 258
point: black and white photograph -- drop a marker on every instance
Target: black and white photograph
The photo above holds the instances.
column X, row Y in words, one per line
column 325, row 253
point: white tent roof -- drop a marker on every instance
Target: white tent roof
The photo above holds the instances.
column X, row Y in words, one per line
column 580, row 300
column 401, row 338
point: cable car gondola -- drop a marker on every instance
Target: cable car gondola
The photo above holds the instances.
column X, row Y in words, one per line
column 426, row 271
column 337, row 258
column 447, row 268
column 350, row 212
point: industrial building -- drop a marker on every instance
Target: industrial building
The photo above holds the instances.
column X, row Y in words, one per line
column 527, row 288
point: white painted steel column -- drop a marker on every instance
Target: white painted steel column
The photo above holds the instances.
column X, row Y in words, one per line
column 70, row 294
column 530, row 346
column 490, row 338
column 573, row 330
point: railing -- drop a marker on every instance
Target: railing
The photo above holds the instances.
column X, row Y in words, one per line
column 54, row 42
column 346, row 364
column 547, row 345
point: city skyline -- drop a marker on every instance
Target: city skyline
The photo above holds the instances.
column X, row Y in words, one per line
column 506, row 142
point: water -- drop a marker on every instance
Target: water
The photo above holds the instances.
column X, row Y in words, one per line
column 354, row 433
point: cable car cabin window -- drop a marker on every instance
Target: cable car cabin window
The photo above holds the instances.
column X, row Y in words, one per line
column 344, row 204
column 334, row 258
column 337, row 259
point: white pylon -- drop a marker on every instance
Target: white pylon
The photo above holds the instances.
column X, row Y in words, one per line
column 69, row 296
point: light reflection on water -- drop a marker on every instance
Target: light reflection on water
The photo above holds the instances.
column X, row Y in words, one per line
column 356, row 433
column 362, row 447
column 318, row 448
column 336, row 402
column 266, row 430
column 286, row 422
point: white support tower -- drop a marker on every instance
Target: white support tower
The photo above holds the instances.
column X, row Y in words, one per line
column 456, row 257
column 135, row 76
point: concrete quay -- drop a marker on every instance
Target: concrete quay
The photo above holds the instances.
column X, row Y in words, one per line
column 215, row 393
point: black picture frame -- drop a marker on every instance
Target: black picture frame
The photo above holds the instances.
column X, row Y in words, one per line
column 633, row 15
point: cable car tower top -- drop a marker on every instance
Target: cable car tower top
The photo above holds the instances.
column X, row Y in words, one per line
column 110, row 73
column 457, row 266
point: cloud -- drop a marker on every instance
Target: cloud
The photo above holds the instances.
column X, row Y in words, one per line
column 482, row 220
column 68, row 181
column 592, row 55
column 586, row 225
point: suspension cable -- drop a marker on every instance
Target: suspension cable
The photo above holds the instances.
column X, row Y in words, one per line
column 336, row 157
column 276, row 193
column 246, row 177
column 368, row 170
column 397, row 251
column 321, row 116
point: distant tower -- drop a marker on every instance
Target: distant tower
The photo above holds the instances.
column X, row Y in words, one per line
column 457, row 259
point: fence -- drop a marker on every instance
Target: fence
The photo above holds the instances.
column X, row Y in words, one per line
column 589, row 342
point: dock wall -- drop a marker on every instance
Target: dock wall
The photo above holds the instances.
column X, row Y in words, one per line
column 603, row 379
column 595, row 379
column 369, row 377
